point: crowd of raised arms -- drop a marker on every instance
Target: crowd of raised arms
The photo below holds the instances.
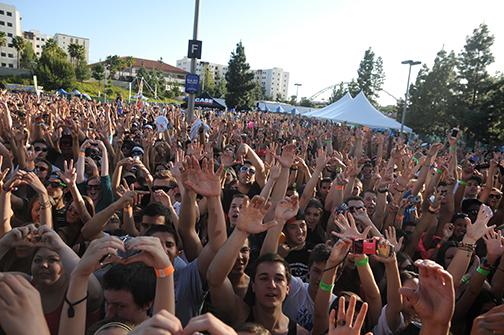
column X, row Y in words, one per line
column 240, row 223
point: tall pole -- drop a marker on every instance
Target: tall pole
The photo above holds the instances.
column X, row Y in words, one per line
column 190, row 103
column 405, row 107
column 297, row 89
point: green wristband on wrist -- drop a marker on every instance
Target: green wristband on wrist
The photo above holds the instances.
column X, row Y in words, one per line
column 438, row 171
column 363, row 262
column 326, row 287
column 461, row 182
column 483, row 272
column 415, row 160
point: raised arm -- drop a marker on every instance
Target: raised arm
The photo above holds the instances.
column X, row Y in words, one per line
column 257, row 162
column 309, row 189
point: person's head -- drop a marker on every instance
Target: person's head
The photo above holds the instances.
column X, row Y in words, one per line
column 43, row 169
column 370, row 201
column 313, row 213
column 41, row 147
column 295, row 232
column 460, row 222
column 165, row 181
column 270, row 281
column 409, row 280
column 357, row 189
column 405, row 262
column 355, row 204
column 154, row 214
column 442, row 188
column 56, row 188
column 129, row 291
column 235, row 207
column 66, row 145
column 446, row 253
column 242, row 261
column 471, row 208
column 367, row 170
column 473, row 187
column 494, row 198
column 72, row 215
column 112, row 326
column 325, row 186
column 317, row 263
column 46, row 268
column 169, row 239
column 94, row 188
column 246, row 173
column 34, row 206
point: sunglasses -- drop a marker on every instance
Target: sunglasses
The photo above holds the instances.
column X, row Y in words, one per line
column 495, row 196
column 41, row 168
column 246, row 169
column 37, row 149
column 164, row 188
column 93, row 187
column 353, row 209
column 55, row 184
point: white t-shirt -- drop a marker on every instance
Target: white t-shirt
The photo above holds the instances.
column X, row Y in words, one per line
column 382, row 328
column 298, row 305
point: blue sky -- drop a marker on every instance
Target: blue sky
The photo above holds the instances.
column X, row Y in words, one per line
column 320, row 42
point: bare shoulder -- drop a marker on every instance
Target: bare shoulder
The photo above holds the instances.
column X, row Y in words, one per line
column 302, row 331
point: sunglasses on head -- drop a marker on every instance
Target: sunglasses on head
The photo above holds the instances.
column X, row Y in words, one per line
column 247, row 169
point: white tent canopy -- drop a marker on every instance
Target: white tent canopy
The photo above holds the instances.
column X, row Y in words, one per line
column 359, row 111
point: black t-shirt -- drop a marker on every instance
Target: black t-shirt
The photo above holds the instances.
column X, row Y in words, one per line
column 298, row 262
column 227, row 195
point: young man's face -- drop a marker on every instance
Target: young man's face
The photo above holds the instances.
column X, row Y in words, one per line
column 472, row 189
column 270, row 284
column 246, row 174
column 312, row 216
column 242, row 260
column 148, row 221
column 315, row 273
column 120, row 304
column 296, row 232
column 169, row 244
column 234, row 210
column 370, row 202
column 325, row 186
column 493, row 199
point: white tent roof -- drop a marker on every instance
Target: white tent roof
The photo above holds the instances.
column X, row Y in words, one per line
column 358, row 111
column 332, row 109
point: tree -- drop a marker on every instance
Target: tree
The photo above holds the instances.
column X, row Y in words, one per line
column 82, row 71
column 305, row 102
column 240, row 81
column 130, row 61
column 53, row 69
column 220, row 88
column 370, row 75
column 18, row 43
column 259, row 91
column 338, row 92
column 208, row 82
column 98, row 71
column 293, row 100
column 114, row 64
column 28, row 59
column 3, row 40
column 76, row 52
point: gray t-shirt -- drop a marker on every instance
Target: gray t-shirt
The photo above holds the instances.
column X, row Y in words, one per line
column 189, row 292
column 298, row 305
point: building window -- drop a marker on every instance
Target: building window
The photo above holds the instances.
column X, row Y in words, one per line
column 11, row 55
column 43, row 39
column 9, row 34
column 9, row 13
column 4, row 54
column 38, row 38
column 4, row 65
column 11, row 66
column 10, row 45
column 9, row 24
column 2, row 23
column 2, row 12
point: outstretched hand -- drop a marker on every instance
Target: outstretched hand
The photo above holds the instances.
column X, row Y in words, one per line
column 202, row 180
column 252, row 215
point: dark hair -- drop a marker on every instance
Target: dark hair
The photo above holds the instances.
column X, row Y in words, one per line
column 315, row 203
column 407, row 275
column 468, row 203
column 271, row 258
column 156, row 209
column 320, row 253
column 325, row 180
column 354, row 198
column 138, row 279
column 477, row 179
column 370, row 191
column 39, row 141
column 440, row 257
column 457, row 216
column 169, row 229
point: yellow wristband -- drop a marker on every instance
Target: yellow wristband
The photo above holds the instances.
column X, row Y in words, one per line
column 166, row 272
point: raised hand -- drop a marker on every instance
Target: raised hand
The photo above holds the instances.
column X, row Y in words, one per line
column 162, row 323
column 69, row 176
column 202, row 180
column 17, row 298
column 494, row 245
column 348, row 228
column 339, row 251
column 16, row 180
column 162, row 197
column 24, row 236
column 344, row 323
column 287, row 157
column 275, row 172
column 492, row 322
column 209, row 324
column 434, row 298
column 33, row 180
column 100, row 251
column 390, row 235
column 252, row 214
column 479, row 228
column 287, row 208
column 151, row 252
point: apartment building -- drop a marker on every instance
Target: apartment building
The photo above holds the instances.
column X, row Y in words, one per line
column 10, row 24
column 275, row 82
column 64, row 41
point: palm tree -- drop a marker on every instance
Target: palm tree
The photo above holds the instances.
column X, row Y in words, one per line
column 18, row 43
column 76, row 52
column 3, row 40
column 130, row 61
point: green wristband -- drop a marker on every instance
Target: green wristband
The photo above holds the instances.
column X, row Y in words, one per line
column 483, row 272
column 465, row 279
column 326, row 287
column 438, row 171
column 363, row 262
column 415, row 160
column 461, row 182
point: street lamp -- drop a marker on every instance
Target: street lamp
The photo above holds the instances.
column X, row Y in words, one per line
column 190, row 102
column 297, row 89
column 410, row 63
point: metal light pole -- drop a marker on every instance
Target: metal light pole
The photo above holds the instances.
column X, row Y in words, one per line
column 190, row 103
column 410, row 63
column 297, row 89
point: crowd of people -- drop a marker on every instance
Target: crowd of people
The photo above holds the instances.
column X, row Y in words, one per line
column 132, row 219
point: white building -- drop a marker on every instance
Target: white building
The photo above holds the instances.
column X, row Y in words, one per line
column 64, row 41
column 218, row 70
column 10, row 24
column 275, row 82
column 37, row 39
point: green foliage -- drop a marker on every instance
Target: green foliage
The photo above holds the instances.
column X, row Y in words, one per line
column 305, row 102
column 240, row 81
column 220, row 88
column 82, row 71
column 208, row 81
column 293, row 100
column 18, row 43
column 3, row 39
column 98, row 71
column 53, row 69
column 76, row 53
column 370, row 75
column 28, row 58
column 115, row 64
column 259, row 91
column 338, row 92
